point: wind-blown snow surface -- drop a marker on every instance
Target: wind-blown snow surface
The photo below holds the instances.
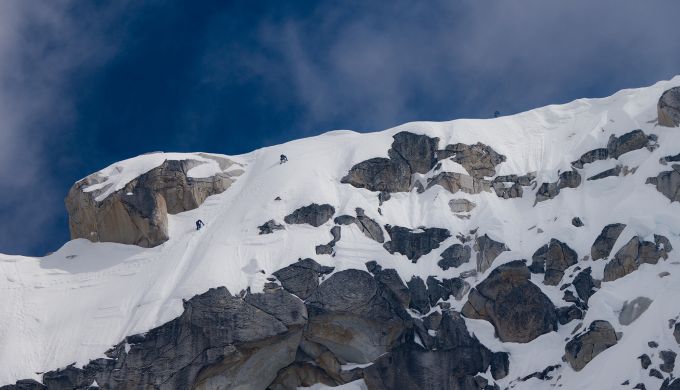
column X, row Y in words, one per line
column 74, row 304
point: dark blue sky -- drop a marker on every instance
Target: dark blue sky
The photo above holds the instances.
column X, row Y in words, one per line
column 87, row 83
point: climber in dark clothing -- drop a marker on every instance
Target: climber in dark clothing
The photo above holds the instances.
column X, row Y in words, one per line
column 283, row 159
column 199, row 224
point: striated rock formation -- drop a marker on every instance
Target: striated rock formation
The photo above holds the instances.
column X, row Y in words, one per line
column 668, row 108
column 138, row 213
column 414, row 243
column 584, row 347
column 314, row 214
column 517, row 308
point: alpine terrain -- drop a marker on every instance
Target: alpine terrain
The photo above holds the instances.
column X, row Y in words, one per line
column 534, row 251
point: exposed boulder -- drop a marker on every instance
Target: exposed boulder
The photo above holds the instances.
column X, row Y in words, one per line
column 668, row 108
column 645, row 361
column 414, row 243
column 668, row 183
column 302, row 278
column 628, row 142
column 487, row 251
column 369, row 227
column 451, row 363
column 668, row 359
column 591, row 156
column 454, row 182
column 616, row 171
column 632, row 310
column 314, row 214
column 454, row 256
column 569, row 313
column 584, row 285
column 576, row 221
column 568, row 179
column 350, row 315
column 604, row 243
column 517, row 308
column 666, row 159
column 270, row 226
column 553, row 259
column 479, row 160
column 585, row 347
column 510, row 186
column 461, row 205
column 500, row 365
column 137, row 214
column 634, row 253
column 410, row 153
column 327, row 249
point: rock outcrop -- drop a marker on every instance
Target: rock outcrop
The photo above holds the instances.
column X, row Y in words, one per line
column 585, row 347
column 461, row 205
column 635, row 253
column 269, row 227
column 604, row 243
column 668, row 108
column 137, row 214
column 568, row 179
column 350, row 315
column 517, row 308
column 479, row 160
column 219, row 341
column 410, row 153
column 327, row 249
column 553, row 259
column 368, row 226
column 414, row 243
column 302, row 278
column 668, row 183
column 314, row 214
column 584, row 285
column 632, row 310
column 454, row 256
column 634, row 140
column 450, row 362
column 454, row 182
column 487, row 251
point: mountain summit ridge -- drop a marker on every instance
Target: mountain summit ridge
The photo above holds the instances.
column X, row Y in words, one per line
column 478, row 196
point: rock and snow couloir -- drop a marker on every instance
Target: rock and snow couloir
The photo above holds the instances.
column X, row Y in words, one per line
column 528, row 251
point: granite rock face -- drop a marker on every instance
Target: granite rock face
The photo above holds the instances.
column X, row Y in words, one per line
column 410, row 153
column 635, row 253
column 668, row 183
column 585, row 347
column 350, row 315
column 454, row 256
column 553, row 259
column 517, row 308
column 302, row 278
column 219, row 341
column 668, row 108
column 137, row 214
column 487, row 251
column 414, row 243
column 314, row 214
column 450, row 362
column 604, row 243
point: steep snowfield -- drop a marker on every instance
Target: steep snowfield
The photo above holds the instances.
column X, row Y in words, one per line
column 72, row 305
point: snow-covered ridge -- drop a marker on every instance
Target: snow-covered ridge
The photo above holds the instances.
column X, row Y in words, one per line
column 117, row 175
column 74, row 304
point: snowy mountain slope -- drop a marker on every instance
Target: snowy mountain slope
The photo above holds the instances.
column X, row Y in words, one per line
column 74, row 304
